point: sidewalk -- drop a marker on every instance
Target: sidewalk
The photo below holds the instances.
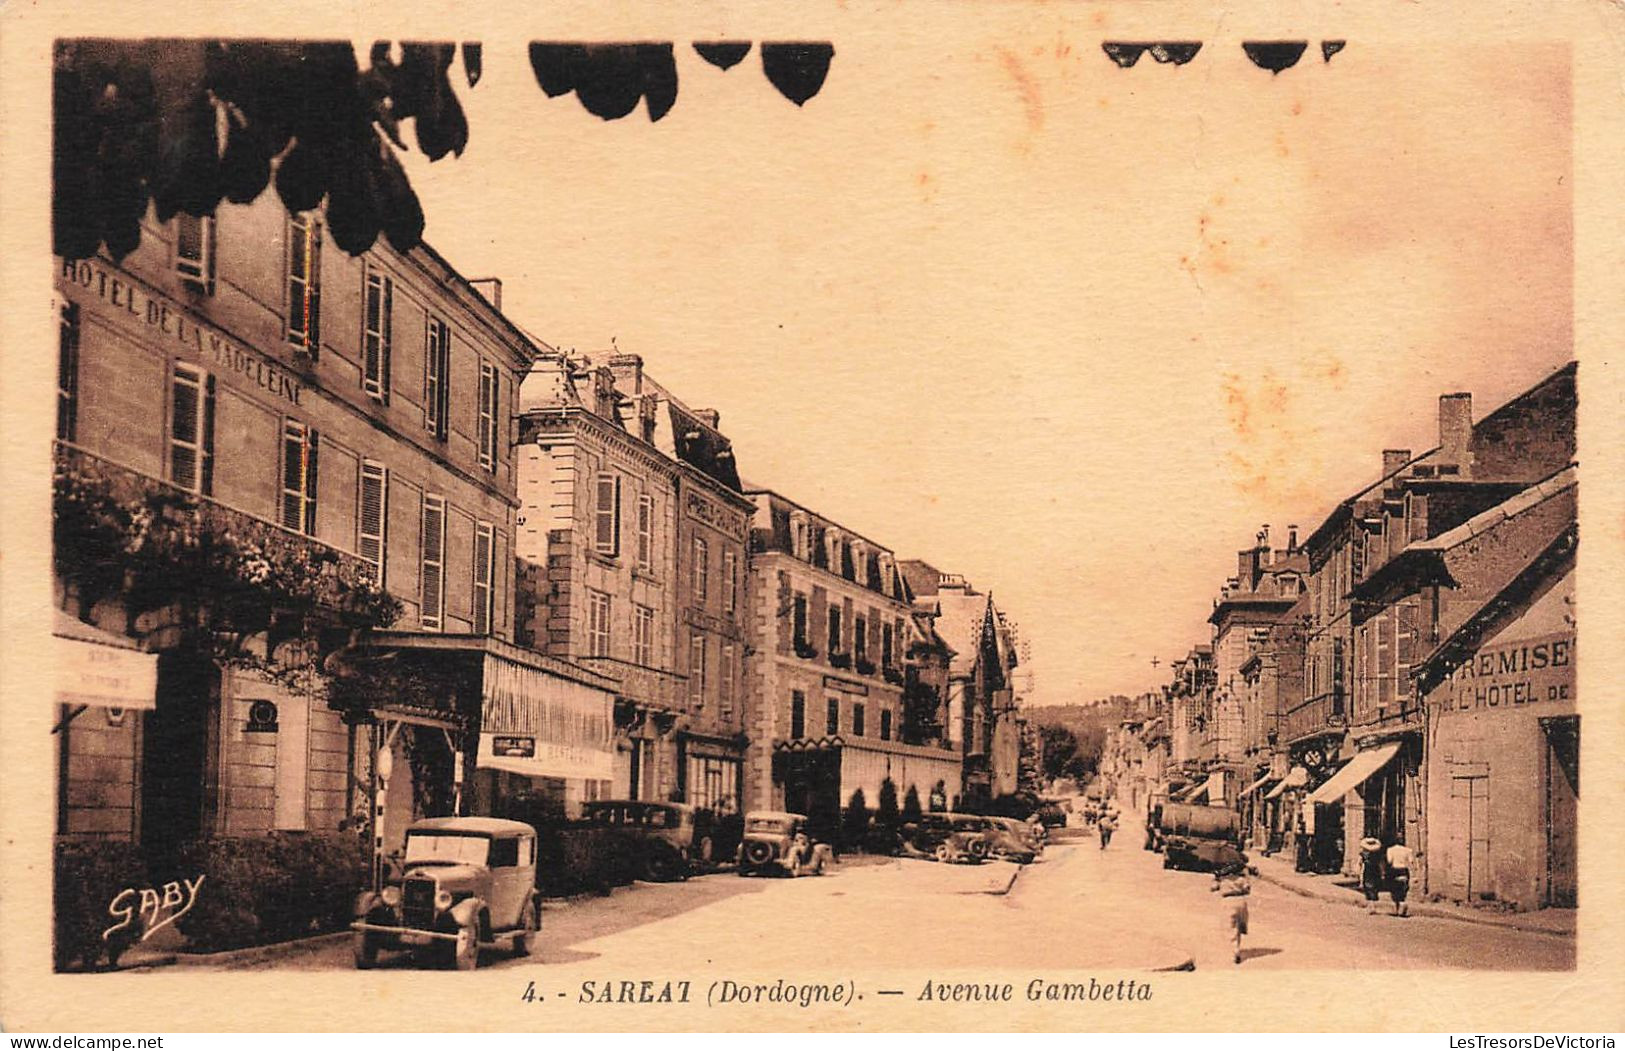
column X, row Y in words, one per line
column 1279, row 870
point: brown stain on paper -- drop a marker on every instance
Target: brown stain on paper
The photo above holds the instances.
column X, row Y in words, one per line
column 1026, row 88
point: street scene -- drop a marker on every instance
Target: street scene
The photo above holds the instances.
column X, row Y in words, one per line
column 568, row 616
column 1114, row 909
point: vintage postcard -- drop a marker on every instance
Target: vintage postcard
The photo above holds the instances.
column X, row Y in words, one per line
column 898, row 516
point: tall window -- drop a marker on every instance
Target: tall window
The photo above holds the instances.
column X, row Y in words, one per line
column 607, row 515
column 437, row 377
column 488, row 416
column 372, row 518
column 305, row 283
column 646, row 531
column 300, row 444
column 598, row 624
column 832, row 716
column 835, row 629
column 885, row 645
column 798, row 715
column 730, row 581
column 702, row 569
column 484, row 577
column 643, row 636
column 857, row 720
column 433, row 562
column 860, row 638
column 799, row 620
column 696, row 669
column 885, row 725
column 194, row 251
column 725, row 680
column 378, row 336
column 67, row 371
column 191, row 429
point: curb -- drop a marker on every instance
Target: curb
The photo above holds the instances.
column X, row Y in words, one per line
column 208, row 959
column 1417, row 908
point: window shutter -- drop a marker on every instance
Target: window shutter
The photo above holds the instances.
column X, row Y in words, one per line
column 482, row 578
column 432, row 561
column 206, row 480
column 313, row 448
column 608, row 515
column 67, row 371
column 292, row 469
column 445, row 381
column 373, row 514
column 487, row 422
column 389, row 339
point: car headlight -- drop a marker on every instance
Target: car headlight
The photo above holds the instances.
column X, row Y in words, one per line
column 442, row 900
column 391, row 896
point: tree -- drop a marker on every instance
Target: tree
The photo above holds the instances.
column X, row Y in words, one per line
column 912, row 811
column 886, row 813
column 181, row 125
column 855, row 824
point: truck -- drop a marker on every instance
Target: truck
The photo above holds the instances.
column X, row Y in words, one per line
column 1200, row 838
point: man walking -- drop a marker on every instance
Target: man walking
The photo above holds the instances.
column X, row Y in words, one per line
column 1107, row 825
column 1400, row 858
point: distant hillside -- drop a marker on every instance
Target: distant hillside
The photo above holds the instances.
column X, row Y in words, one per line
column 1086, row 722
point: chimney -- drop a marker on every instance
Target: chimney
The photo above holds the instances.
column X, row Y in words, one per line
column 1455, row 427
column 490, row 288
column 1291, row 539
column 628, row 371
column 1244, row 567
column 710, row 417
column 1394, row 459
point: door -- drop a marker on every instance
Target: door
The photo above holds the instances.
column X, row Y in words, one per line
column 513, row 877
column 175, row 747
column 1469, row 842
column 1562, row 802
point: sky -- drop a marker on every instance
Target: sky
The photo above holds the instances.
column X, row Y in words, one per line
column 1074, row 331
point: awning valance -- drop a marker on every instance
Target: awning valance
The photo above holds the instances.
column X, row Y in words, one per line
column 538, row 724
column 1297, row 777
column 1353, row 774
column 96, row 667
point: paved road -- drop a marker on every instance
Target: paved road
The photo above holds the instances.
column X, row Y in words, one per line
column 1078, row 907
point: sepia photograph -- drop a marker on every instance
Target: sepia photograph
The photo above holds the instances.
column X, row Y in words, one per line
column 1042, row 516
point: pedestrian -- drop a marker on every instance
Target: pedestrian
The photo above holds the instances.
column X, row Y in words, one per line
column 1371, row 863
column 1107, row 825
column 1400, row 859
column 1234, row 888
column 939, row 798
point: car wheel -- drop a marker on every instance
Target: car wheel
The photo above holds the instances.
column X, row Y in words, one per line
column 465, row 951
column 366, row 951
column 706, row 849
column 524, row 942
column 662, row 866
column 1167, row 862
column 978, row 850
column 944, row 853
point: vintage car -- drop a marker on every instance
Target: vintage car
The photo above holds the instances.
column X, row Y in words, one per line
column 1051, row 815
column 466, row 883
column 778, row 842
column 670, row 849
column 1012, row 840
column 948, row 837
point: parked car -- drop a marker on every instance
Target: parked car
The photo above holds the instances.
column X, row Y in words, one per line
column 948, row 837
column 674, row 839
column 775, row 841
column 1051, row 815
column 1010, row 839
column 467, row 883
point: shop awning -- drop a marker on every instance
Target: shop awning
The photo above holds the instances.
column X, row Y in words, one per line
column 1256, row 785
column 538, row 724
column 1353, row 774
column 1297, row 777
column 1203, row 789
column 97, row 668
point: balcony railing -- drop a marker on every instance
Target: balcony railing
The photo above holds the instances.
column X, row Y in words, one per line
column 653, row 686
column 1320, row 715
column 121, row 532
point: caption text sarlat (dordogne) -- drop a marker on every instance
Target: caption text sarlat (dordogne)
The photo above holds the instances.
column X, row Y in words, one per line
column 727, row 992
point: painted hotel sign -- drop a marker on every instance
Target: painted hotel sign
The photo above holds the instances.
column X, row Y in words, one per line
column 1513, row 674
column 176, row 323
